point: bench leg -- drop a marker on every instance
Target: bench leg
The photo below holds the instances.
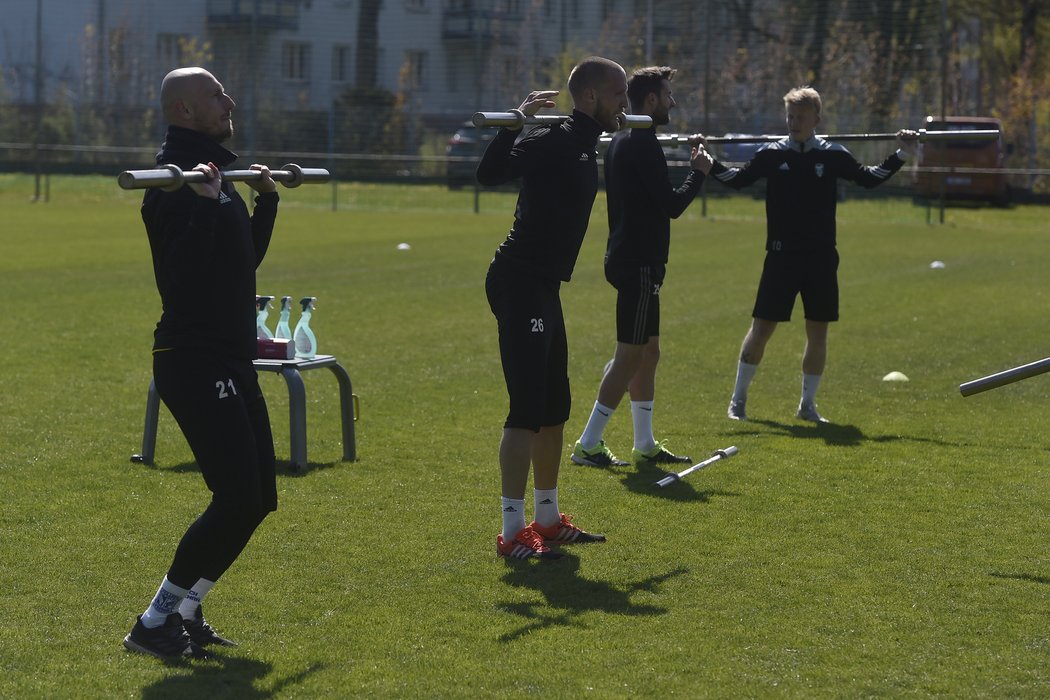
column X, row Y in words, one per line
column 296, row 415
column 149, row 431
column 346, row 403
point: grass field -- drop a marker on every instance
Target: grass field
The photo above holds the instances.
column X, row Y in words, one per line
column 900, row 552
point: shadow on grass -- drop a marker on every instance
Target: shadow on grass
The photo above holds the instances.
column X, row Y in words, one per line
column 833, row 434
column 223, row 676
column 1022, row 577
column 642, row 479
column 568, row 595
column 284, row 468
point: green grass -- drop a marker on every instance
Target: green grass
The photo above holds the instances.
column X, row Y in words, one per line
column 899, row 552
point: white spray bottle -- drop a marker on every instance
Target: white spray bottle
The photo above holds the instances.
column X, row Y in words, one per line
column 283, row 329
column 305, row 341
column 262, row 311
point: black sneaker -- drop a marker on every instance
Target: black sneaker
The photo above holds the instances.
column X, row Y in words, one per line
column 659, row 455
column 204, row 634
column 169, row 641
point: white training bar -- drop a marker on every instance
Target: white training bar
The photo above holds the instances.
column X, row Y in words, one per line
column 971, row 134
column 1009, row 376
column 172, row 177
column 719, row 454
column 516, row 119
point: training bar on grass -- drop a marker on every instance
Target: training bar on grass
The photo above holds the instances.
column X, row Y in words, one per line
column 172, row 177
column 719, row 454
column 1009, row 376
column 962, row 134
column 516, row 119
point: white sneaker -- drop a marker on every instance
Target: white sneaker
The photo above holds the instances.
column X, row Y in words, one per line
column 737, row 410
column 808, row 411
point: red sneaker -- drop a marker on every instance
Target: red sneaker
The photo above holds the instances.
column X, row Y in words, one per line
column 525, row 545
column 564, row 532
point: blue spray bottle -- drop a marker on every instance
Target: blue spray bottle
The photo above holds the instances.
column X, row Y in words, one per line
column 305, row 342
column 283, row 329
column 262, row 310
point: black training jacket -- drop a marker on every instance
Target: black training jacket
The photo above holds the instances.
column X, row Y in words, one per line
column 559, row 171
column 801, row 190
column 642, row 200
column 205, row 253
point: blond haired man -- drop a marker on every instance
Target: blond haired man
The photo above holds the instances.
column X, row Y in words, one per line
column 801, row 172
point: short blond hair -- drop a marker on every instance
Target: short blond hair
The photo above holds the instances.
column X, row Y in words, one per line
column 804, row 96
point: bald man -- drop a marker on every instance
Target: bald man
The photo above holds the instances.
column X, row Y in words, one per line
column 558, row 169
column 206, row 248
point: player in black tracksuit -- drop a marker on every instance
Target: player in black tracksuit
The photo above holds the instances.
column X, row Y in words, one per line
column 801, row 173
column 642, row 202
column 559, row 180
column 205, row 249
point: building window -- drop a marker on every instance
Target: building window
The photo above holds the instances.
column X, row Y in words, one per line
column 415, row 70
column 170, row 49
column 295, row 61
column 452, row 75
column 341, row 64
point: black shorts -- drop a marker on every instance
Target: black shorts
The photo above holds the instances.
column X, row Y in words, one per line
column 532, row 346
column 637, row 302
column 812, row 274
column 219, row 406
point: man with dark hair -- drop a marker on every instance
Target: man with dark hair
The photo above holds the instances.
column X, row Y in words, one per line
column 559, row 180
column 801, row 171
column 206, row 248
column 642, row 202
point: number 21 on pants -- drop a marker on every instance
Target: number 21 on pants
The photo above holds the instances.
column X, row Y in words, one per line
column 222, row 387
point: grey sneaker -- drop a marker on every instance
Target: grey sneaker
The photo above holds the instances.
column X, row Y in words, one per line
column 600, row 456
column 737, row 410
column 808, row 411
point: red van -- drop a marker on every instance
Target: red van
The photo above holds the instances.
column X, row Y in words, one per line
column 986, row 154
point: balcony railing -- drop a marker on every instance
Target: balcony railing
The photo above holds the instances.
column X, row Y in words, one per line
column 262, row 14
column 483, row 25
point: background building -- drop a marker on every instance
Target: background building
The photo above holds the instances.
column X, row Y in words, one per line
column 397, row 76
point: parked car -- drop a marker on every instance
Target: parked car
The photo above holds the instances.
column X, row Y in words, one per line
column 464, row 150
column 737, row 152
column 986, row 154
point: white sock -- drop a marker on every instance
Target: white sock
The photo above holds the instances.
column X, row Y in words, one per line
column 191, row 604
column 168, row 598
column 513, row 516
column 642, row 414
column 547, row 512
column 810, row 382
column 592, row 434
column 744, row 374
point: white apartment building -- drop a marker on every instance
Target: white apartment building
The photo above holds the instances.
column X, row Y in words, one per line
column 446, row 58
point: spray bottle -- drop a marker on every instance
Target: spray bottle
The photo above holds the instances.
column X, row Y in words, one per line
column 262, row 310
column 305, row 342
column 283, row 329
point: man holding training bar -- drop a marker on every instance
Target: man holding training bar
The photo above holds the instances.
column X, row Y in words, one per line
column 558, row 168
column 642, row 202
column 206, row 248
column 801, row 171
